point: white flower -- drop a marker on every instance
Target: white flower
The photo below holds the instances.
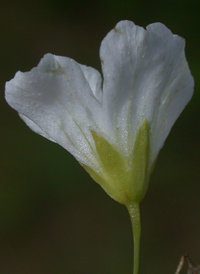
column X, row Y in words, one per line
column 116, row 127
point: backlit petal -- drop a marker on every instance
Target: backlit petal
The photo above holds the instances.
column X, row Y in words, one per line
column 57, row 98
column 146, row 76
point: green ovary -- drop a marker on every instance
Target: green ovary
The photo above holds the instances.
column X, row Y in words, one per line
column 125, row 182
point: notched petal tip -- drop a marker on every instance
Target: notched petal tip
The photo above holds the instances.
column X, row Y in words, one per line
column 159, row 28
column 49, row 64
column 122, row 25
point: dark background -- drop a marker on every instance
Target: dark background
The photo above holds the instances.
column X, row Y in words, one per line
column 53, row 218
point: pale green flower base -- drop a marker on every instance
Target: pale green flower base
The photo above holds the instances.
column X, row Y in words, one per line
column 134, row 212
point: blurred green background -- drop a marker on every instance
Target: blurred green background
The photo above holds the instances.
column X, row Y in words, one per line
column 53, row 218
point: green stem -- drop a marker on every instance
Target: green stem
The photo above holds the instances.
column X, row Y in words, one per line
column 134, row 212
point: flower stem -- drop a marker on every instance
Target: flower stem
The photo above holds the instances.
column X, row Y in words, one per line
column 134, row 213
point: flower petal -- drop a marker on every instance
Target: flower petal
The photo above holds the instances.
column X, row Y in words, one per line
column 120, row 53
column 35, row 127
column 94, row 80
column 146, row 76
column 56, row 101
column 176, row 85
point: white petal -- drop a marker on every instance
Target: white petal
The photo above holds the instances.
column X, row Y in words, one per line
column 56, row 101
column 176, row 88
column 146, row 77
column 35, row 127
column 94, row 80
column 119, row 53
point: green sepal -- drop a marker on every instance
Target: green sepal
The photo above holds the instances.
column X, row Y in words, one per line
column 140, row 161
column 124, row 180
